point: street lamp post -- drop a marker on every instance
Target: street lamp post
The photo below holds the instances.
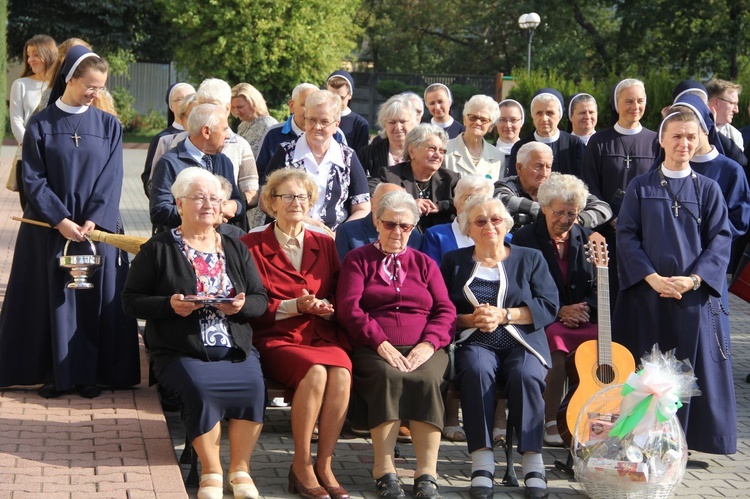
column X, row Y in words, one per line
column 529, row 22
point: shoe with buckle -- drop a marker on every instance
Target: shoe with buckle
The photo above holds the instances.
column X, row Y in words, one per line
column 243, row 490
column 212, row 491
column 425, row 486
column 535, row 492
column 482, row 492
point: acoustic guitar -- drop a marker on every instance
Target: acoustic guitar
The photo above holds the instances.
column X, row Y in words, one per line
column 595, row 364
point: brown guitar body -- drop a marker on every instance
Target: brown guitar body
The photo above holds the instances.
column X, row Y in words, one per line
column 586, row 377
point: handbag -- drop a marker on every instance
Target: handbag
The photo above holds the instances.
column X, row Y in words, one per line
column 12, row 183
column 741, row 284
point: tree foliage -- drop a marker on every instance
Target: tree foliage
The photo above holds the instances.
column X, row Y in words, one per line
column 271, row 44
column 110, row 27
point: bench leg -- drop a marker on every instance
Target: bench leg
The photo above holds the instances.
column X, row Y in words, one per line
column 510, row 479
column 189, row 456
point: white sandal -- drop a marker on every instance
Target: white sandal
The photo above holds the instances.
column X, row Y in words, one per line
column 212, row 491
column 243, row 490
column 552, row 440
column 454, row 433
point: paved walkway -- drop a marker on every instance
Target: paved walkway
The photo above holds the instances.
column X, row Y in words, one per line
column 118, row 445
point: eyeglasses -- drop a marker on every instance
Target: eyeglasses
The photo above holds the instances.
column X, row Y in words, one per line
column 570, row 215
column 392, row 226
column 288, row 198
column 200, row 200
column 313, row 122
column 481, row 222
column 93, row 90
column 508, row 121
column 481, row 119
column 732, row 103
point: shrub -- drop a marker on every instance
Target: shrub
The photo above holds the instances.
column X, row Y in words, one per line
column 389, row 88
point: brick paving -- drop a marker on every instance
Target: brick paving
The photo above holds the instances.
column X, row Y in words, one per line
column 119, row 445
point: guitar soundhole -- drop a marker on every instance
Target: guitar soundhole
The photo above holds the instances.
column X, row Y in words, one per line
column 605, row 374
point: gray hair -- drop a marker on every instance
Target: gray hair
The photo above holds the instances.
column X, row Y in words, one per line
column 479, row 102
column 392, row 108
column 190, row 176
column 421, row 133
column 216, row 91
column 480, row 183
column 399, row 202
column 204, row 115
column 566, row 188
column 544, row 99
column 327, row 98
column 627, row 83
column 414, row 99
column 522, row 156
column 464, row 223
column 301, row 88
column 185, row 104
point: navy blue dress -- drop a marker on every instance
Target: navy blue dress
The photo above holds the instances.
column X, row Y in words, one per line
column 650, row 238
column 48, row 332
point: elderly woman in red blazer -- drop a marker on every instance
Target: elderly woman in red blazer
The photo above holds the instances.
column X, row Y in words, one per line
column 297, row 337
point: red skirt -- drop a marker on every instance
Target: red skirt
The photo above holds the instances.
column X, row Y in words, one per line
column 289, row 363
column 564, row 339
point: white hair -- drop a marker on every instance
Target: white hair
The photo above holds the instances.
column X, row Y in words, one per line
column 479, row 102
column 190, row 176
column 216, row 91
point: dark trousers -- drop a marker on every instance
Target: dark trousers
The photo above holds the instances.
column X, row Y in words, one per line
column 480, row 371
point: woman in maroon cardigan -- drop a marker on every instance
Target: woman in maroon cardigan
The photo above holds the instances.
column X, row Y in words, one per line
column 297, row 336
column 393, row 301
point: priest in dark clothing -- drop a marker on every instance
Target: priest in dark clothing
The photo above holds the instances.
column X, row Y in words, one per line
column 673, row 239
column 65, row 338
column 546, row 112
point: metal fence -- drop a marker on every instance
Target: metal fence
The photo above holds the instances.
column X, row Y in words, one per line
column 148, row 82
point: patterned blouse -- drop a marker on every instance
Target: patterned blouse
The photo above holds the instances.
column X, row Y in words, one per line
column 211, row 280
column 253, row 131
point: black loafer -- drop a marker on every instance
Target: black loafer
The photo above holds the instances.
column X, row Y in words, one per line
column 425, row 486
column 482, row 492
column 48, row 391
column 389, row 486
column 535, row 492
column 89, row 391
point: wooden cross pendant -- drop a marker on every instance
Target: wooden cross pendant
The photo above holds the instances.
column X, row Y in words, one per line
column 75, row 137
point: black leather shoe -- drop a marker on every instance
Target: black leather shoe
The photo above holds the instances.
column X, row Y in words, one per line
column 388, row 486
column 535, row 492
column 425, row 486
column 482, row 492
column 89, row 391
column 48, row 391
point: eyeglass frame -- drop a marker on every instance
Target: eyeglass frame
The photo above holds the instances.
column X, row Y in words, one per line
column 405, row 228
column 200, row 200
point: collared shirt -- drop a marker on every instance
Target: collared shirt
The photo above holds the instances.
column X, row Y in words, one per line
column 292, row 248
column 320, row 171
column 194, row 152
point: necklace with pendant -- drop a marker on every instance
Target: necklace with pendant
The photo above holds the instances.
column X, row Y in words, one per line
column 75, row 135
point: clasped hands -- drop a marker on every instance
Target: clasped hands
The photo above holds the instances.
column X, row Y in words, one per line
column 426, row 206
column 417, row 356
column 74, row 232
column 487, row 318
column 670, row 287
column 309, row 304
column 574, row 315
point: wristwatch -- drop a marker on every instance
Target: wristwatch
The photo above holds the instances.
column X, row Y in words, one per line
column 508, row 316
column 696, row 282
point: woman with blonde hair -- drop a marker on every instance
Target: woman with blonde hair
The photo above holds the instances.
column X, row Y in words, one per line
column 250, row 107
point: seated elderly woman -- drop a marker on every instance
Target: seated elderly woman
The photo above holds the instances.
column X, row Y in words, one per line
column 335, row 168
column 423, row 176
column 469, row 153
column 297, row 335
column 505, row 297
column 439, row 240
column 561, row 241
column 396, row 118
column 394, row 304
column 197, row 291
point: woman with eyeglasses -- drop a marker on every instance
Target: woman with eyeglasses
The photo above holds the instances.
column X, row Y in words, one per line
column 469, row 153
column 62, row 338
column 300, row 343
column 197, row 291
column 422, row 175
column 562, row 242
column 394, row 304
column 505, row 297
column 343, row 193
column 508, row 127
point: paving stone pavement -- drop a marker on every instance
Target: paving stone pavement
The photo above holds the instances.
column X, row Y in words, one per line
column 114, row 446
